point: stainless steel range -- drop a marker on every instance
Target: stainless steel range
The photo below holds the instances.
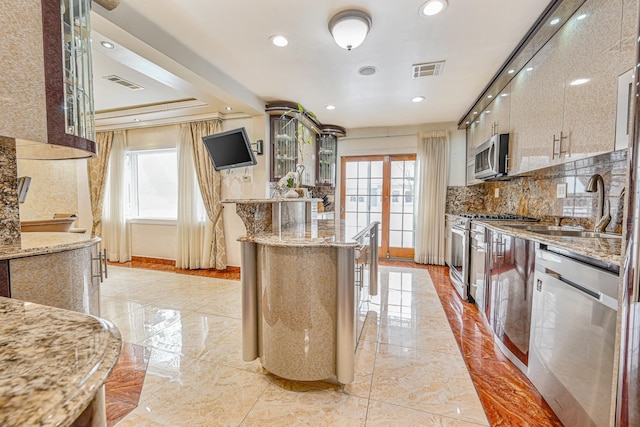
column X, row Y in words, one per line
column 459, row 246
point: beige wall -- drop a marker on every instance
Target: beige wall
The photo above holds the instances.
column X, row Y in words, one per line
column 59, row 186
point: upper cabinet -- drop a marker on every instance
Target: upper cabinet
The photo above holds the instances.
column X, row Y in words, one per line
column 565, row 101
column 299, row 143
column 46, row 77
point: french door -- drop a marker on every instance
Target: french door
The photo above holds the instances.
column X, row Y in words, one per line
column 380, row 188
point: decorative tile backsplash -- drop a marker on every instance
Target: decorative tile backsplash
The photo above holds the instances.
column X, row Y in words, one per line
column 9, row 207
column 536, row 193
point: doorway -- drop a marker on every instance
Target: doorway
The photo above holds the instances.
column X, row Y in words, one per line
column 380, row 188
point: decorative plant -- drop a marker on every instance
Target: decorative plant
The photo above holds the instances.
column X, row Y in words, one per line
column 290, row 180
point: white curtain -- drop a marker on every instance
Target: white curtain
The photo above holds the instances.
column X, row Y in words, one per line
column 431, row 177
column 195, row 230
column 115, row 228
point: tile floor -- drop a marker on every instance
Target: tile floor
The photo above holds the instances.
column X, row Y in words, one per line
column 186, row 329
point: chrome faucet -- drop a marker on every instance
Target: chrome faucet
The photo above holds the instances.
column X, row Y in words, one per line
column 596, row 184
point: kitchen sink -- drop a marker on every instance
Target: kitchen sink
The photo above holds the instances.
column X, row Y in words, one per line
column 553, row 230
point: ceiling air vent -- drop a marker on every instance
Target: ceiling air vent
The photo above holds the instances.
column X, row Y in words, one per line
column 427, row 69
column 126, row 83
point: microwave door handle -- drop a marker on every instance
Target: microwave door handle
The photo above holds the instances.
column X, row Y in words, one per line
column 491, row 157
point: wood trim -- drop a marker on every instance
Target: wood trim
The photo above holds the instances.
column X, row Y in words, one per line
column 5, row 285
column 153, row 260
column 386, row 194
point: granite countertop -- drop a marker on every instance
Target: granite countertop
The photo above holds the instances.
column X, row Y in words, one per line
column 330, row 234
column 605, row 250
column 278, row 200
column 39, row 243
column 52, row 362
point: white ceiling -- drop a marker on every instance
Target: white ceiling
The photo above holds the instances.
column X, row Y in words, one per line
column 219, row 52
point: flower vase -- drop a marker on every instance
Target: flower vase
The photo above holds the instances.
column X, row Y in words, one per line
column 291, row 194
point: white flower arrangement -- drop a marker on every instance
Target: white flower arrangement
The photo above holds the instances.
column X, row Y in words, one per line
column 290, row 180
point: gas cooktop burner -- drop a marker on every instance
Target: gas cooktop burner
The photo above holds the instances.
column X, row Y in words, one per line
column 502, row 217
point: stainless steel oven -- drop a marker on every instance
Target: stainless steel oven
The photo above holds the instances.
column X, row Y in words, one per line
column 458, row 254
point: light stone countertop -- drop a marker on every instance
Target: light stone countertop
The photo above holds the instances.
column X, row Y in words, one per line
column 601, row 249
column 278, row 200
column 52, row 362
column 330, row 234
column 40, row 243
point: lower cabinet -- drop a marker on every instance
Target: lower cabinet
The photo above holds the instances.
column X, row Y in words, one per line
column 511, row 271
column 68, row 279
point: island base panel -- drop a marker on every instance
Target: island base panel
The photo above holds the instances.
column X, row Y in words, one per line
column 298, row 311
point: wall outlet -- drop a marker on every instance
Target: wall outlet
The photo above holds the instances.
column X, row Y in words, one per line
column 561, row 191
column 496, row 192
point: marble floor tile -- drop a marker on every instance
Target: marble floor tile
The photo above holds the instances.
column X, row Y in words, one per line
column 382, row 414
column 206, row 395
column 428, row 381
column 421, row 352
column 321, row 407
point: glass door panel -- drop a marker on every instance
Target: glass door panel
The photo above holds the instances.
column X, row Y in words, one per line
column 381, row 188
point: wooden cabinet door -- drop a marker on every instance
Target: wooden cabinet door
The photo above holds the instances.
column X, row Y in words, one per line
column 537, row 97
column 5, row 287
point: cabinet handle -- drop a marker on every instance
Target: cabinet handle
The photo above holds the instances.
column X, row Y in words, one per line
column 506, row 165
column 104, row 252
column 554, row 154
column 562, row 138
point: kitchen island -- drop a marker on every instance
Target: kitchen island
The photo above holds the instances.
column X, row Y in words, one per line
column 59, row 269
column 53, row 365
column 298, row 290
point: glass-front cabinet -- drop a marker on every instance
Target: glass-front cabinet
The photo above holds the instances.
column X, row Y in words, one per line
column 284, row 148
column 77, row 73
column 299, row 143
column 327, row 152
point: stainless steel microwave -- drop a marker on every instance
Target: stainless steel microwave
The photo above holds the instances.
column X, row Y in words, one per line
column 491, row 157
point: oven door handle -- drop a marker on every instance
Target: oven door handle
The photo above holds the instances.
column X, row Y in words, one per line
column 459, row 231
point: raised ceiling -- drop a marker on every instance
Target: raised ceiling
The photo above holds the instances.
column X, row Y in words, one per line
column 219, row 53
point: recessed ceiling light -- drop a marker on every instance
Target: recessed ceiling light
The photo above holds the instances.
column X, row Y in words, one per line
column 530, row 69
column 136, row 120
column 554, row 21
column 279, row 40
column 579, row 82
column 488, row 112
column 228, row 108
column 417, row 99
column 511, row 71
column 330, row 107
column 504, row 94
column 433, row 7
column 475, row 112
column 477, row 121
column 489, row 96
column 581, row 17
column 368, row 70
column 107, row 45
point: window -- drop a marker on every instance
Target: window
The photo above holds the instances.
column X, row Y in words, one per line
column 153, row 184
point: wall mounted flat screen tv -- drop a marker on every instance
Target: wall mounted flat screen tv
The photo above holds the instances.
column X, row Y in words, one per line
column 229, row 149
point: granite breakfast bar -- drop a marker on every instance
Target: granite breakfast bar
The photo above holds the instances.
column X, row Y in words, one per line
column 53, row 365
column 298, row 296
column 54, row 355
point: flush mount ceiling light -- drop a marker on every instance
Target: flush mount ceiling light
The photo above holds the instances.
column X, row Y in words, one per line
column 349, row 28
column 279, row 40
column 433, row 7
column 368, row 70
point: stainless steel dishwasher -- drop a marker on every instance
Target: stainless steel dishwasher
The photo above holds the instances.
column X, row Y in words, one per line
column 573, row 328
